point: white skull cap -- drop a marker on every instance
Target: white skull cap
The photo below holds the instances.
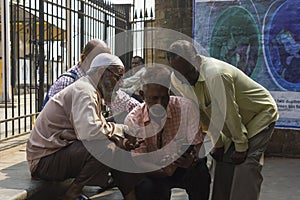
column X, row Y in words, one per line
column 104, row 60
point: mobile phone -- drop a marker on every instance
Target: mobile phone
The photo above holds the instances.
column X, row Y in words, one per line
column 187, row 148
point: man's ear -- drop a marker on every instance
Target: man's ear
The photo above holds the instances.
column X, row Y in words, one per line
column 198, row 60
column 141, row 92
column 82, row 57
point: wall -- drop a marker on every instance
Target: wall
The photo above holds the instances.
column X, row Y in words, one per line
column 260, row 37
column 284, row 142
column 172, row 14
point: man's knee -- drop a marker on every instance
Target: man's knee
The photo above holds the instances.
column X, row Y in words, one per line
column 198, row 181
column 147, row 189
column 199, row 172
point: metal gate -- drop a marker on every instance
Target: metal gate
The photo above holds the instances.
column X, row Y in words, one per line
column 45, row 39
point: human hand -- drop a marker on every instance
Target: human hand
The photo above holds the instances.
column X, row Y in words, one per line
column 124, row 143
column 129, row 145
column 238, row 157
column 171, row 167
column 166, row 160
column 217, row 153
column 169, row 170
column 135, row 142
column 185, row 160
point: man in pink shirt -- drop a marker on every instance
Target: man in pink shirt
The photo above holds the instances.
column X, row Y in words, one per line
column 168, row 125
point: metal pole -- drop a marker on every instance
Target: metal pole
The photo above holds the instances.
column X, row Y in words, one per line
column 106, row 26
column 5, row 91
column 41, row 55
column 81, row 16
column 144, row 34
column 69, row 36
column 152, row 48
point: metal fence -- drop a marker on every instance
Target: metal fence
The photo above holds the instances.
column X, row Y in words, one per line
column 45, row 39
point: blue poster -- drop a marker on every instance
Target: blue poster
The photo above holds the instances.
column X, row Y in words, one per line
column 262, row 38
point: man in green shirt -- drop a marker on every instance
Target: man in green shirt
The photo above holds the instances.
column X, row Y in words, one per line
column 238, row 113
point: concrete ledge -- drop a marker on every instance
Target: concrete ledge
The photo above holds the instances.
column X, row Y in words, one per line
column 48, row 190
column 15, row 178
column 13, row 194
column 284, row 143
column 16, row 184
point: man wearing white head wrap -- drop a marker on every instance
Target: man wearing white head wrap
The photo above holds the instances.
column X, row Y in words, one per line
column 107, row 83
column 71, row 125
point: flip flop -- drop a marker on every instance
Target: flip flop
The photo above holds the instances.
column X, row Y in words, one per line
column 82, row 197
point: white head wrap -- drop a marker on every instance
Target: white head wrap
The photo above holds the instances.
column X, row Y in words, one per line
column 105, row 59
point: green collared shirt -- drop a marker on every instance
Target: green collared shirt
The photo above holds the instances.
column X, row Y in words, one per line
column 232, row 104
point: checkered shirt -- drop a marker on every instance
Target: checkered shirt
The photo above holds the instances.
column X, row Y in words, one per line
column 64, row 81
column 181, row 124
column 122, row 103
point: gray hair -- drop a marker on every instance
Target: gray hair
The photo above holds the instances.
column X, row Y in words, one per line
column 91, row 45
column 156, row 74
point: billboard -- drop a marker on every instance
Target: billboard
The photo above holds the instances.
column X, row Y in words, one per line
column 262, row 38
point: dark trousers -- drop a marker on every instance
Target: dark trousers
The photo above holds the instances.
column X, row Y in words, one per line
column 73, row 161
column 195, row 180
column 243, row 181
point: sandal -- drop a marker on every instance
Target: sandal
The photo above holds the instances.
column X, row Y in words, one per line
column 82, row 197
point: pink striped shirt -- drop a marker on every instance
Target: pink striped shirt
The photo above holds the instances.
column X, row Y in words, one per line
column 181, row 125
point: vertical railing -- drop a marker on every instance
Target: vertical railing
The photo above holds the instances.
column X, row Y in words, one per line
column 142, row 29
column 41, row 55
column 46, row 39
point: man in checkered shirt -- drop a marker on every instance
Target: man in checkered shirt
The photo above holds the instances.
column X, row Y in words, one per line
column 89, row 52
column 165, row 123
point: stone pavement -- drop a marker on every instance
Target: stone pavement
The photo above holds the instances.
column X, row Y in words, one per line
column 281, row 179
